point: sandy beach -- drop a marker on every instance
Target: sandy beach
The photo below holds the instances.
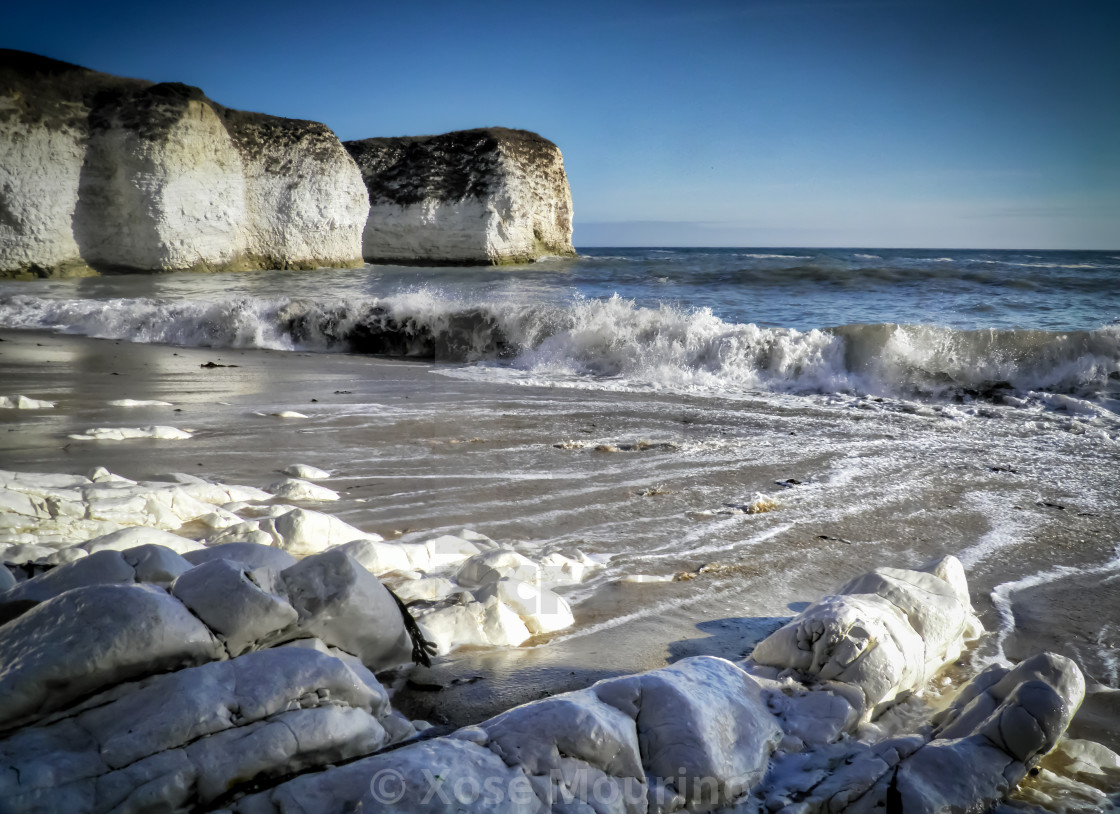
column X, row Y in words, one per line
column 647, row 484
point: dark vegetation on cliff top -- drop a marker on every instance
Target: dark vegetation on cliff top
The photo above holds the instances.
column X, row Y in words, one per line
column 449, row 167
column 61, row 95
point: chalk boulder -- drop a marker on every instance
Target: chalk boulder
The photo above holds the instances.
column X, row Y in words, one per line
column 344, row 605
column 301, row 532
column 179, row 739
column 137, row 536
column 542, row 610
column 884, row 634
column 24, row 403
column 253, row 555
column 693, row 737
column 90, row 638
column 155, row 563
column 306, row 472
column 481, row 197
column 1002, row 723
column 102, row 568
column 297, row 489
column 238, row 604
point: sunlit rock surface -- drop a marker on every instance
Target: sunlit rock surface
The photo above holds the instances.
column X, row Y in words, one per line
column 99, row 172
column 884, row 634
column 487, row 196
column 237, row 676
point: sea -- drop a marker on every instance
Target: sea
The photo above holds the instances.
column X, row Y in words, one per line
column 926, row 324
column 727, row 433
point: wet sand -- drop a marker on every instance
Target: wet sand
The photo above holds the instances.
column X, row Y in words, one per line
column 1028, row 501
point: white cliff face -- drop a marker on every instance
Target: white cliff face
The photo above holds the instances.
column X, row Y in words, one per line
column 304, row 198
column 475, row 196
column 98, row 172
column 40, row 166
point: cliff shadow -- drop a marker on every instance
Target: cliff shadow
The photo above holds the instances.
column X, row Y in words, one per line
column 114, row 229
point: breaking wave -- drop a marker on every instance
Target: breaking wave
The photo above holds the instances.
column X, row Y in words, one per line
column 669, row 347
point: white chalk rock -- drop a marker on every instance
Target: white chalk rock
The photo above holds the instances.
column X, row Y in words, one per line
column 438, row 553
column 302, row 532
column 306, row 472
column 289, row 742
column 159, row 505
column 20, row 553
column 984, row 695
column 102, row 568
column 427, row 589
column 167, row 712
column 168, row 179
column 639, row 579
column 218, row 519
column 453, row 626
column 296, row 489
column 886, row 633
column 462, row 771
column 217, row 494
column 196, row 773
column 343, row 604
column 248, row 532
column 985, row 743
column 545, row 737
column 378, row 557
column 41, row 483
column 493, row 566
column 501, row 624
column 252, row 555
column 542, row 610
column 155, row 563
column 139, row 403
column 815, row 716
column 703, row 724
column 932, row 606
column 90, row 638
column 481, row 540
column 24, row 403
column 288, row 414
column 160, row 433
column 558, row 569
column 1086, row 783
column 338, row 790
column 233, row 603
column 490, row 623
column 100, row 474
column 266, row 512
column 695, row 736
column 474, row 196
column 138, row 536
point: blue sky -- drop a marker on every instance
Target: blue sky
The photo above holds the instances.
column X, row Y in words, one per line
column 986, row 123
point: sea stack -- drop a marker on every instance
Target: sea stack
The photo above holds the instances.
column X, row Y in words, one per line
column 102, row 173
column 486, row 196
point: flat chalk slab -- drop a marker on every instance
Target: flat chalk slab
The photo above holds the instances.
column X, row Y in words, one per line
column 125, row 433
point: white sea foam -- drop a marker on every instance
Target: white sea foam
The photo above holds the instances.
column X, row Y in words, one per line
column 615, row 343
column 780, row 256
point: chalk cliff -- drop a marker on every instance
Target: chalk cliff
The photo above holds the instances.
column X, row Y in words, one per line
column 99, row 172
column 474, row 196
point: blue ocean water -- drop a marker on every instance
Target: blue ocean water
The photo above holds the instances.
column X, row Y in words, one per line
column 912, row 323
